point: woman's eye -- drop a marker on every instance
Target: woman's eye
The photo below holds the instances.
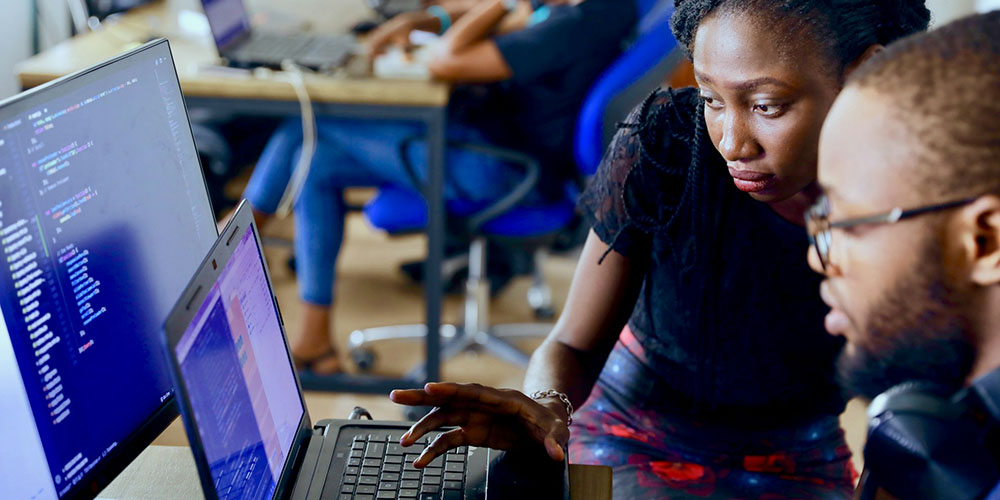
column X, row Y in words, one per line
column 711, row 102
column 767, row 109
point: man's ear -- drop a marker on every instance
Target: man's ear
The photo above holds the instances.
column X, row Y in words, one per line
column 869, row 53
column 979, row 226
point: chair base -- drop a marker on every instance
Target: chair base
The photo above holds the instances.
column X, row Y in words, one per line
column 454, row 340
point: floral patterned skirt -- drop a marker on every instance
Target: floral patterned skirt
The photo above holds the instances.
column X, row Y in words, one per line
column 657, row 456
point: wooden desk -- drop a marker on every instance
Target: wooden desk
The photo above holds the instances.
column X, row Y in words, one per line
column 350, row 93
column 168, row 473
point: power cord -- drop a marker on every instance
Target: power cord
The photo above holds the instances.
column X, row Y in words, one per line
column 294, row 75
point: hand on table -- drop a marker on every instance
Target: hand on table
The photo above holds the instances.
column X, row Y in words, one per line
column 395, row 32
column 495, row 418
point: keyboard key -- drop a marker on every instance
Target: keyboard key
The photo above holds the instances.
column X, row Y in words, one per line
column 393, row 459
column 372, row 462
column 411, row 474
column 352, row 471
column 391, row 468
column 370, row 471
column 358, row 445
column 376, row 438
column 407, row 493
column 454, row 457
column 460, row 450
column 394, row 449
column 432, row 472
column 386, row 495
column 393, row 438
column 375, row 450
column 452, row 485
column 354, row 462
column 453, row 476
column 357, row 454
column 409, row 458
column 430, row 496
column 437, row 462
column 364, row 497
column 347, row 488
column 350, row 478
column 368, row 480
column 435, row 480
column 390, row 476
column 388, row 485
column 430, row 488
column 454, row 467
column 452, row 495
column 409, row 484
column 365, row 489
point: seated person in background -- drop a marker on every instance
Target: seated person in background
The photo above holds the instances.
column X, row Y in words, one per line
column 917, row 293
column 541, row 70
column 693, row 335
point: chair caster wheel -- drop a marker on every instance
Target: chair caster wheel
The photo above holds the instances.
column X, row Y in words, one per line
column 545, row 313
column 364, row 359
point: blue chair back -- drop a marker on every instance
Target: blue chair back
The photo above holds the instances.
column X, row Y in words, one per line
column 643, row 67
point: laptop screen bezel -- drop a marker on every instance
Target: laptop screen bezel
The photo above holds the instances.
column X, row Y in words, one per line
column 139, row 439
column 180, row 319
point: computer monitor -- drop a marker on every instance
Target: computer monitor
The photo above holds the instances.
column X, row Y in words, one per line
column 104, row 217
column 228, row 20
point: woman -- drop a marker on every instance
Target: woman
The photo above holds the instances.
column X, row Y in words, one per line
column 721, row 383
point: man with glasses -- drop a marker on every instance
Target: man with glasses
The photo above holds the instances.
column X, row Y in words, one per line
column 907, row 231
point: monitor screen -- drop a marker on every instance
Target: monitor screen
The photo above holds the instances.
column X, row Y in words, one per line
column 104, row 217
column 227, row 18
column 239, row 381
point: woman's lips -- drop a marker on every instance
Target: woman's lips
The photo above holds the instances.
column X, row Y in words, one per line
column 749, row 181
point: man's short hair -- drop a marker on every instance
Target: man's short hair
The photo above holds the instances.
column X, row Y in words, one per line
column 944, row 86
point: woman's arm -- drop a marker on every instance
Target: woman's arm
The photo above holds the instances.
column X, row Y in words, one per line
column 468, row 54
column 599, row 304
column 600, row 301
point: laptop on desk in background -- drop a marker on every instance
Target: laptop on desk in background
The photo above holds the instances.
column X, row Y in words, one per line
column 246, row 419
column 244, row 46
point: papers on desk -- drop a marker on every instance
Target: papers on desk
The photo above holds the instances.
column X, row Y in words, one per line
column 398, row 64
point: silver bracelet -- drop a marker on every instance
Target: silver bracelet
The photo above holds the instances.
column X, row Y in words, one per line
column 552, row 393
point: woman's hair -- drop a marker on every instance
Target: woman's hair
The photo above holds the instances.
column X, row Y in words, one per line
column 845, row 27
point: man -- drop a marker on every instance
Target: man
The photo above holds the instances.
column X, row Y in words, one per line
column 908, row 233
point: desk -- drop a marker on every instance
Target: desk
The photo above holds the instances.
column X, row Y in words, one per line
column 168, row 473
column 348, row 93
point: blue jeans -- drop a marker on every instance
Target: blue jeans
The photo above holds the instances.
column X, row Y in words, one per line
column 359, row 153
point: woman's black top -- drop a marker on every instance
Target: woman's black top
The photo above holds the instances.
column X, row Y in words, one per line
column 729, row 313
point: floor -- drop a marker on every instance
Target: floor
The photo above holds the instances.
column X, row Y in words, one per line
column 371, row 292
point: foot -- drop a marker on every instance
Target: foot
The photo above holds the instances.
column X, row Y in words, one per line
column 326, row 363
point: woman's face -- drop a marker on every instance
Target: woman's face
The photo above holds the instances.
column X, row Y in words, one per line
column 765, row 102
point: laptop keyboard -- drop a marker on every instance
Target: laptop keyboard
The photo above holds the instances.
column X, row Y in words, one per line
column 379, row 468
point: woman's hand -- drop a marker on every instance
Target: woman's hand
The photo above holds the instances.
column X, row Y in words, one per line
column 494, row 418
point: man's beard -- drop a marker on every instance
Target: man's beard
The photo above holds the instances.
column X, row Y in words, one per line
column 916, row 332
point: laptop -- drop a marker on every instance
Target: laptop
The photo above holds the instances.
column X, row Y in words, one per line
column 246, row 419
column 245, row 47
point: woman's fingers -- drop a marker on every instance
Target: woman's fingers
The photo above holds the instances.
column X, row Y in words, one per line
column 441, row 444
column 437, row 418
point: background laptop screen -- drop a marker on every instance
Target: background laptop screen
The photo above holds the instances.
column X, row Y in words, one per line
column 242, row 391
column 227, row 18
column 104, row 216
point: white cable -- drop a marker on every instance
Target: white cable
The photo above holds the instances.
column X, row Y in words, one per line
column 301, row 172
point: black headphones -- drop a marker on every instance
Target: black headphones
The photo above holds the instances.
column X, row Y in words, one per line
column 926, row 444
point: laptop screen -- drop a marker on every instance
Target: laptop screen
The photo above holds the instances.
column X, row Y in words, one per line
column 228, row 19
column 241, row 388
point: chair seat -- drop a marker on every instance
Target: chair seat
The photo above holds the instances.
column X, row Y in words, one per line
column 396, row 210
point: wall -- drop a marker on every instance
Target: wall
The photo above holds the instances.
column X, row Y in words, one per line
column 15, row 44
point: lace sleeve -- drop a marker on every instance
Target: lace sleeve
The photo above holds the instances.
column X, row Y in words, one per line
column 604, row 200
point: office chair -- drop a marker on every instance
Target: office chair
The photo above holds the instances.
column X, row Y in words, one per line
column 508, row 221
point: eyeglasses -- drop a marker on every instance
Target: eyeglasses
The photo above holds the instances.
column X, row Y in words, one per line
column 819, row 226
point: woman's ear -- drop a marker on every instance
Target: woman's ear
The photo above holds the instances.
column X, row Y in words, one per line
column 869, row 53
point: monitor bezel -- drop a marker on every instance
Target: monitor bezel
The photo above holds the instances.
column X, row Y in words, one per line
column 137, row 441
column 177, row 324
